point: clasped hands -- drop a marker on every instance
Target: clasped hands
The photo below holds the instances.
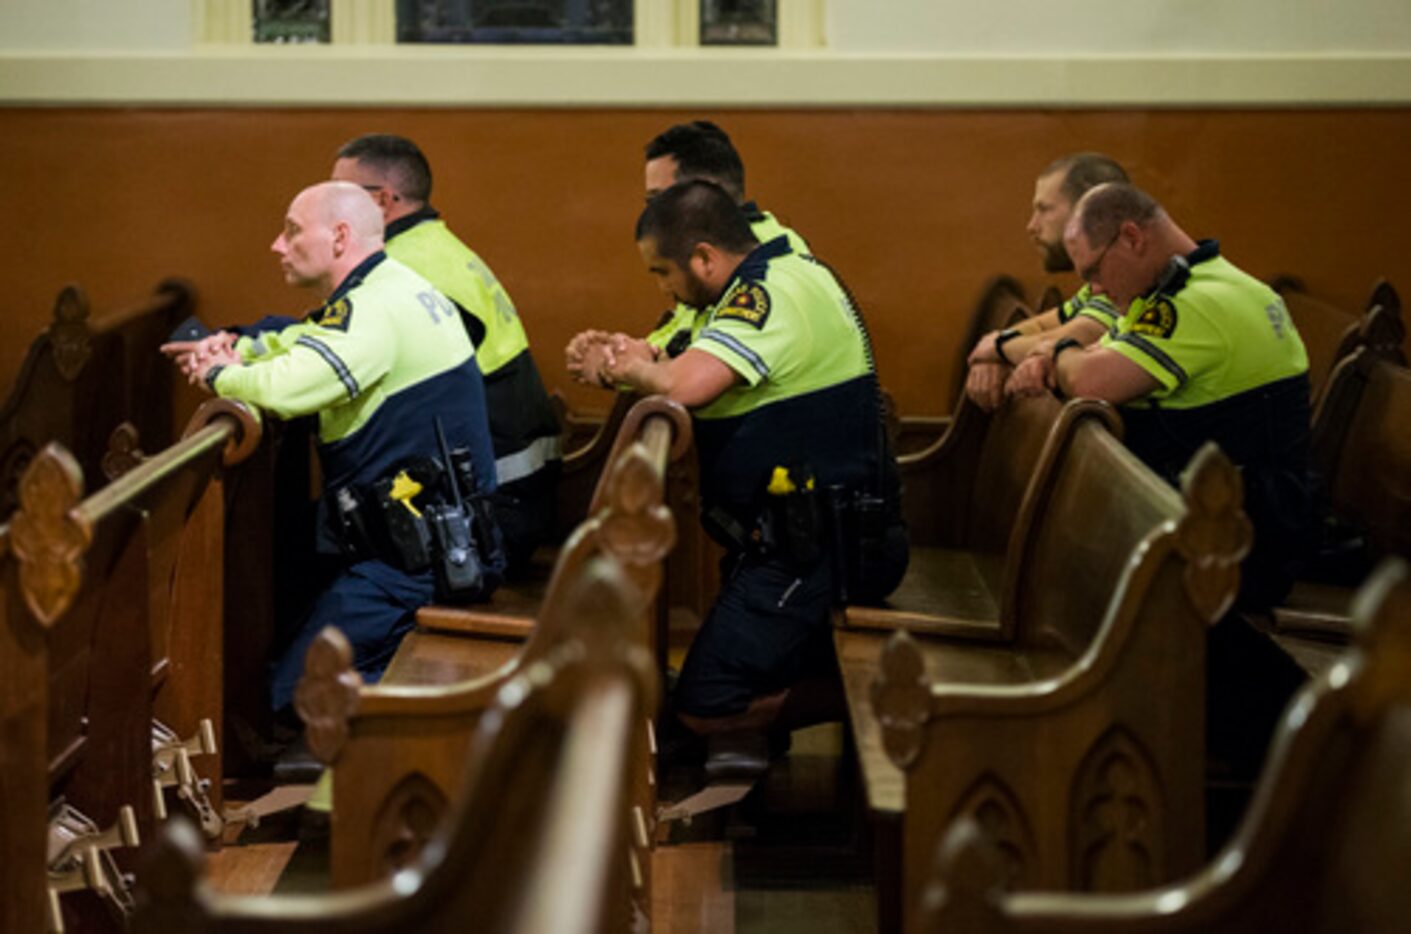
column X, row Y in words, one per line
column 990, row 380
column 606, row 359
column 196, row 358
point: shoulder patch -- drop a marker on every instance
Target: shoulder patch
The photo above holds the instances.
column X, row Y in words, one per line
column 1157, row 319
column 749, row 304
column 336, row 316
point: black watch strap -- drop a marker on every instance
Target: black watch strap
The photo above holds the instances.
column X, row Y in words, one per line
column 1063, row 345
column 1008, row 334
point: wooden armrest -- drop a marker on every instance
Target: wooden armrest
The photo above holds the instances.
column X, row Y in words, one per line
column 474, row 622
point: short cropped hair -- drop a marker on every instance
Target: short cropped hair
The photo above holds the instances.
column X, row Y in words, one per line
column 701, row 150
column 1104, row 209
column 1085, row 170
column 691, row 212
column 397, row 157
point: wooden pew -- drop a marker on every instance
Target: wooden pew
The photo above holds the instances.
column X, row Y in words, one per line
column 960, row 499
column 1090, row 712
column 86, row 581
column 397, row 748
column 1324, row 847
column 83, row 376
column 540, row 834
column 1363, row 451
column 1330, row 333
column 185, row 515
column 583, row 463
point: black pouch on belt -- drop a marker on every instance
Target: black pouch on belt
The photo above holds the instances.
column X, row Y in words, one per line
column 791, row 524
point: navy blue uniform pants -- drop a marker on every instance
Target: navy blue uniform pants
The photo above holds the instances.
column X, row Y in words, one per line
column 374, row 604
column 767, row 631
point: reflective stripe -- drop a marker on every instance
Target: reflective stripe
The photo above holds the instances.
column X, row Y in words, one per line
column 750, row 357
column 1156, row 353
column 323, row 350
column 528, row 461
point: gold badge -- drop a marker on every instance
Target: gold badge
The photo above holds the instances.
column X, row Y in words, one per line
column 750, row 304
column 337, row 315
column 1157, row 319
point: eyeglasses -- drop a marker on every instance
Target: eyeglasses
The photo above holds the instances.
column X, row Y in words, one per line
column 1090, row 272
column 374, row 189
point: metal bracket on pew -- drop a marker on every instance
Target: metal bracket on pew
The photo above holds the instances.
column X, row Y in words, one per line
column 171, row 768
column 79, row 859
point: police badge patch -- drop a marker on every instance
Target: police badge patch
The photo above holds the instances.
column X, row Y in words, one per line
column 1157, row 320
column 336, row 316
column 750, row 305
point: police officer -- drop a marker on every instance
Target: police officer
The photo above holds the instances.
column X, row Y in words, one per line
column 1085, row 316
column 523, row 424
column 380, row 361
column 785, row 406
column 698, row 149
column 1203, row 352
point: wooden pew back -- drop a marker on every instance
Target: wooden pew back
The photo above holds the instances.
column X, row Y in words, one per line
column 1092, row 506
column 397, row 748
column 1092, row 713
column 82, row 378
column 1323, row 847
column 1363, row 447
column 1007, row 462
column 539, row 835
column 964, row 489
column 1322, row 325
column 84, row 569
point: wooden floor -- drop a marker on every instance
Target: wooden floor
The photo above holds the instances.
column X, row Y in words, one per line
column 786, row 859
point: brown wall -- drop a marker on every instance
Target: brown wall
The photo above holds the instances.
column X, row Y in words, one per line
column 917, row 208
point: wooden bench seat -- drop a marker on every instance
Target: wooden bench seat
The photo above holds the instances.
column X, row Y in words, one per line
column 1115, row 578
column 944, row 590
column 960, row 500
column 1324, row 847
column 397, row 748
column 539, row 836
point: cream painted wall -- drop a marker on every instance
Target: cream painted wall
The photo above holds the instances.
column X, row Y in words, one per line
column 1070, row 27
column 1076, row 27
column 878, row 53
column 95, row 25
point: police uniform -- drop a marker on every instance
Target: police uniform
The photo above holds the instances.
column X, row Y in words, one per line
column 383, row 358
column 1083, row 303
column 680, row 325
column 806, row 397
column 523, row 425
column 1231, row 368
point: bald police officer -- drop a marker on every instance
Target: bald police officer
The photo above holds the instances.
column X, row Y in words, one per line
column 380, row 361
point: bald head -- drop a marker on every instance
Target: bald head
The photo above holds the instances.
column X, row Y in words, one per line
column 329, row 229
column 346, row 203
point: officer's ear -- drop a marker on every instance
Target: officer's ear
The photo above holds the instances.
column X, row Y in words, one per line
column 342, row 237
column 702, row 260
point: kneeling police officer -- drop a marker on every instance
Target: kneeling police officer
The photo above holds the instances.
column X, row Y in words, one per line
column 403, row 437
column 798, row 481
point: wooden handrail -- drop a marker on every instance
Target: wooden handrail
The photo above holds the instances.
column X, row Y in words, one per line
column 565, row 891
column 216, row 425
